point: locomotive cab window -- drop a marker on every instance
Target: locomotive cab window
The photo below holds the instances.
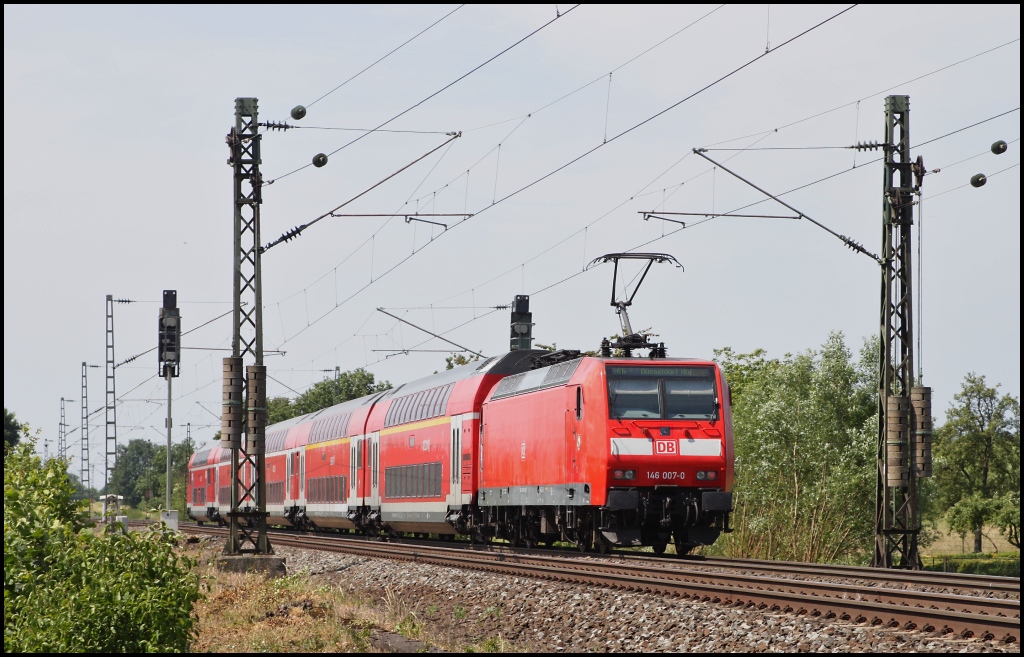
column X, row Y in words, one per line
column 668, row 393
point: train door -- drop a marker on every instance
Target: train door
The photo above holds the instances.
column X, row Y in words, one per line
column 455, row 463
column 302, row 475
column 573, row 432
column 373, row 463
column 354, row 466
column 293, row 478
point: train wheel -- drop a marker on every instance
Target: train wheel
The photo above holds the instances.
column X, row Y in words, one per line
column 603, row 545
column 659, row 547
column 682, row 547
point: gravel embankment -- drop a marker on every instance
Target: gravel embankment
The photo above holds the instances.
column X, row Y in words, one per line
column 895, row 583
column 536, row 615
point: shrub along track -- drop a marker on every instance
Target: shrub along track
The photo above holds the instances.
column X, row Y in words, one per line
column 753, row 584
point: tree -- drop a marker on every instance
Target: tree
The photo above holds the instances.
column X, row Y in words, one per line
column 458, row 360
column 134, row 476
column 343, row 387
column 278, row 409
column 977, row 460
column 12, row 430
column 67, row 590
column 804, row 442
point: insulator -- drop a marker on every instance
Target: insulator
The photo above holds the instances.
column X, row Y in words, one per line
column 319, row 160
column 867, row 146
column 298, row 112
column 277, row 125
column 978, row 180
column 999, row 147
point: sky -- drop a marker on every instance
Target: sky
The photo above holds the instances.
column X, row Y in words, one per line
column 116, row 182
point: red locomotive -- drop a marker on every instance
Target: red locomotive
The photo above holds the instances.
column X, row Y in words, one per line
column 590, row 450
column 531, row 446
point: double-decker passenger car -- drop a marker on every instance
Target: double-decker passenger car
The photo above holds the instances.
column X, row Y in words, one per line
column 531, row 446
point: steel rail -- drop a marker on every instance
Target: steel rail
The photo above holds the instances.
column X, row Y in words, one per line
column 989, row 583
column 965, row 616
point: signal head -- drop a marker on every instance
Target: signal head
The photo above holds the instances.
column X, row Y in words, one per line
column 978, row 180
column 999, row 147
column 298, row 112
column 319, row 160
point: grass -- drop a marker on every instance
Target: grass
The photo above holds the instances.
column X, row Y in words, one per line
column 315, row 613
column 948, row 543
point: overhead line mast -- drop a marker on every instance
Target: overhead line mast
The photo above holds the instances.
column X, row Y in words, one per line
column 111, row 399
column 244, row 416
column 62, row 433
column 86, row 484
column 904, row 405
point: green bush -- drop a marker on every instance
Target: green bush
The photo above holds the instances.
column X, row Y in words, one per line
column 1001, row 565
column 68, row 590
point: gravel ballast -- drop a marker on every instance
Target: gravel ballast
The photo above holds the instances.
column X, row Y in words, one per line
column 468, row 607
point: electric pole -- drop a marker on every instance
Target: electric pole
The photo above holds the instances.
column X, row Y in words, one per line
column 244, row 415
column 62, row 435
column 904, row 406
column 86, row 484
column 111, row 400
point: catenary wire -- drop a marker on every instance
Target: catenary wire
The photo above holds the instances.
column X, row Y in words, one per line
column 442, row 89
column 392, row 52
column 592, row 150
column 758, row 134
column 761, row 135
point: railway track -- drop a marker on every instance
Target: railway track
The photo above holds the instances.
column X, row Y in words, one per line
column 751, row 584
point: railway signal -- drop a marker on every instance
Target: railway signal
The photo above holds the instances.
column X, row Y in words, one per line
column 169, row 353
column 521, row 328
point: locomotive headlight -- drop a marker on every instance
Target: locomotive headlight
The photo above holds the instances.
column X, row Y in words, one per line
column 618, row 474
column 630, row 474
column 701, row 475
column 707, row 475
column 624, row 474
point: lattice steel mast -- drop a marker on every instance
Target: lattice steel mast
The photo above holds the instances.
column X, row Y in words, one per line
column 244, row 416
column 86, row 484
column 111, row 399
column 62, row 433
column 904, row 409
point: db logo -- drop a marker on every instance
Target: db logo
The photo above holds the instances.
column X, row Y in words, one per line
column 662, row 447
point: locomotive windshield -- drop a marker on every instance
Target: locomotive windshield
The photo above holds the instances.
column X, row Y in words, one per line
column 668, row 393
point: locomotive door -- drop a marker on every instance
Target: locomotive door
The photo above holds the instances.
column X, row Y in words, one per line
column 373, row 463
column 573, row 433
column 455, row 463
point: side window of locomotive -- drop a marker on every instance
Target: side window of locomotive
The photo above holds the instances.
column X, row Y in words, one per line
column 633, row 398
column 579, row 402
column 690, row 399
